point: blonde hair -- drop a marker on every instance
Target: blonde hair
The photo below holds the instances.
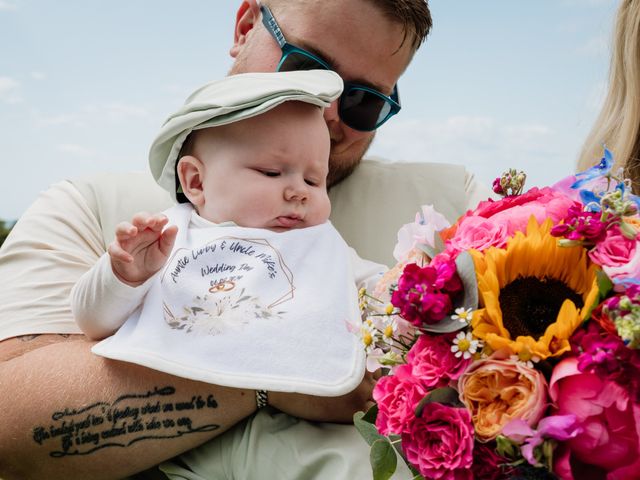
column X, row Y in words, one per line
column 618, row 124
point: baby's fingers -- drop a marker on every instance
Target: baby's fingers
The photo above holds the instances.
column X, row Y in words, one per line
column 116, row 252
column 144, row 220
column 167, row 239
column 125, row 231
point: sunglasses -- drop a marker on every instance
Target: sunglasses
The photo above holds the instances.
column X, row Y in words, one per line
column 360, row 107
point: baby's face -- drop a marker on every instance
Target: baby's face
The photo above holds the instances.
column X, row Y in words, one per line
column 268, row 171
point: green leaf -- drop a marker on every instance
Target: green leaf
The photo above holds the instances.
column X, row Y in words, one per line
column 604, row 284
column 445, row 395
column 383, row 459
column 371, row 414
column 366, row 429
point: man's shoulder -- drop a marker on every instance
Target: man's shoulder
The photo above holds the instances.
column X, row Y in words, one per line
column 370, row 205
column 115, row 197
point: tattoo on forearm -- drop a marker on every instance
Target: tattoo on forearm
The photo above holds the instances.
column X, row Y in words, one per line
column 129, row 419
column 28, row 338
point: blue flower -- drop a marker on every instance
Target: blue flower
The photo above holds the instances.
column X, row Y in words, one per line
column 600, row 170
column 590, row 200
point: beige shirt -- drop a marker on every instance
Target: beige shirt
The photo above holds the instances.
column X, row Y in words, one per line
column 68, row 227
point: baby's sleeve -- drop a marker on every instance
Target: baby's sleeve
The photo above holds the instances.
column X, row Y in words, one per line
column 101, row 303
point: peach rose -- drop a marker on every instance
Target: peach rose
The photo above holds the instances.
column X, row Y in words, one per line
column 497, row 391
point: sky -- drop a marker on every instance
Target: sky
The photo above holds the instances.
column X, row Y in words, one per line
column 85, row 85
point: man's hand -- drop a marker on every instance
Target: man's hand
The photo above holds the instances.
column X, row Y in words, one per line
column 327, row 409
column 141, row 247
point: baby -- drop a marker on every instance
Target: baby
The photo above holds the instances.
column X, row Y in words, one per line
column 244, row 159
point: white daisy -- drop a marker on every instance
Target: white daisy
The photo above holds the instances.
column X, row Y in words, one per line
column 464, row 345
column 368, row 335
column 389, row 329
column 463, row 314
column 525, row 358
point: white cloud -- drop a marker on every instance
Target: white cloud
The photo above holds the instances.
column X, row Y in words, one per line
column 4, row 5
column 483, row 145
column 9, row 88
column 74, row 149
column 596, row 46
column 90, row 115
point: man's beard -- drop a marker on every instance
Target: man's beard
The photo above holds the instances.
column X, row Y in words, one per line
column 339, row 169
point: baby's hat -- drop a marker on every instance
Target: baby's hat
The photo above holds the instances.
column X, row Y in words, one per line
column 232, row 99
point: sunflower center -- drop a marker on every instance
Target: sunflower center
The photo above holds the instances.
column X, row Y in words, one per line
column 530, row 304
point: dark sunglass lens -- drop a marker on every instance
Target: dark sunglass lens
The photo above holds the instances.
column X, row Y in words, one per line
column 298, row 61
column 362, row 110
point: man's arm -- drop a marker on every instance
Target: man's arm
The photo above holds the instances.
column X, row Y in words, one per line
column 67, row 413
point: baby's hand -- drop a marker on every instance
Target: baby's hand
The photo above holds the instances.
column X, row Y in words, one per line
column 141, row 247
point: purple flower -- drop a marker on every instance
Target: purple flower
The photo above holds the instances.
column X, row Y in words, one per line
column 558, row 427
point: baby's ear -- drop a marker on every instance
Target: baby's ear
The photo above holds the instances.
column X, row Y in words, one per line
column 190, row 173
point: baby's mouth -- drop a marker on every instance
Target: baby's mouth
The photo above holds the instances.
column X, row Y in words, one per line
column 289, row 221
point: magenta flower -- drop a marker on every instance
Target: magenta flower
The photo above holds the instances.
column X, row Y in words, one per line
column 558, row 427
column 606, row 356
column 497, row 187
column 581, row 225
column 424, row 294
column 433, row 363
column 439, row 443
column 397, row 397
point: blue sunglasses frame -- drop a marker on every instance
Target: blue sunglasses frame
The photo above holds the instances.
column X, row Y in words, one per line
column 347, row 107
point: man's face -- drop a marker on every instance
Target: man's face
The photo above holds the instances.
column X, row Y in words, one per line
column 353, row 36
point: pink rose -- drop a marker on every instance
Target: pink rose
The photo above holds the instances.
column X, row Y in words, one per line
column 439, row 443
column 397, row 397
column 497, row 391
column 618, row 255
column 514, row 212
column 610, row 421
column 478, row 233
column 433, row 363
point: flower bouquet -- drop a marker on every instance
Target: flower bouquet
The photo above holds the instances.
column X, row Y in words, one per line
column 511, row 340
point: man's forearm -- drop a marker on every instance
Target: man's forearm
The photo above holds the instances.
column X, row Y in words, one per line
column 67, row 413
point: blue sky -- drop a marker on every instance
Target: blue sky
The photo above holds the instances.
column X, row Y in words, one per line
column 84, row 85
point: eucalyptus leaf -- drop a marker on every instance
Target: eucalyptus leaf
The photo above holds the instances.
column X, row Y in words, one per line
column 428, row 249
column 467, row 273
column 371, row 414
column 444, row 395
column 366, row 429
column 383, row 459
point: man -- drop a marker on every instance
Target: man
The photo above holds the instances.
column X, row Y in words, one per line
column 67, row 413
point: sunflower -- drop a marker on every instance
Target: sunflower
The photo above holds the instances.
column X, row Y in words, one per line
column 534, row 293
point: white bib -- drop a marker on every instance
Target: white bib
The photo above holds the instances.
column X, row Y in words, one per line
column 249, row 308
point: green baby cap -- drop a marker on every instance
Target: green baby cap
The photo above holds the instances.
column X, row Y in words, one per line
column 232, row 99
